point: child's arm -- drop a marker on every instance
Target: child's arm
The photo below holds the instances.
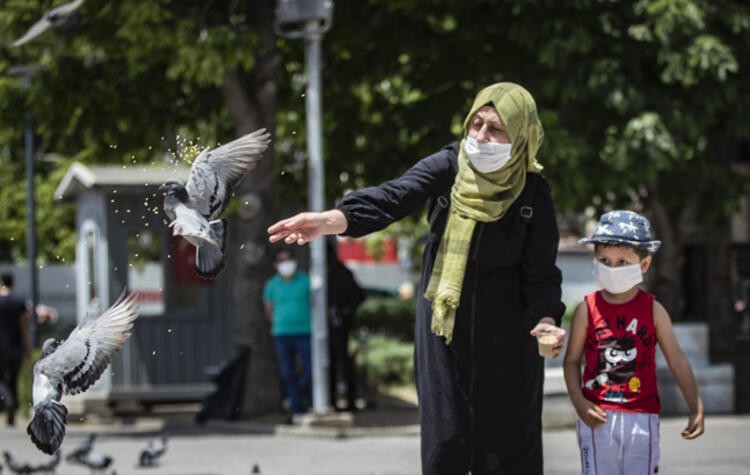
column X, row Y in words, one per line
column 681, row 371
column 590, row 413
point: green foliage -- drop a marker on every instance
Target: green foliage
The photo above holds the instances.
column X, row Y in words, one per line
column 388, row 361
column 120, row 88
column 636, row 97
column 389, row 316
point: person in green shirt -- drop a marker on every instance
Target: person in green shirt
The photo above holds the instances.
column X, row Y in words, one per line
column 286, row 297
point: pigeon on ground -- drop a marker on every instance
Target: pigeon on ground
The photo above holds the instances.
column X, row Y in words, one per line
column 50, row 465
column 16, row 466
column 150, row 454
column 61, row 18
column 83, row 448
column 94, row 461
column 72, row 366
column 194, row 207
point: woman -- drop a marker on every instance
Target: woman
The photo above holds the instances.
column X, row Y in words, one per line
column 489, row 284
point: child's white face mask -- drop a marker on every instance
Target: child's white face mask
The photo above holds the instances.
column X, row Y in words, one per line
column 617, row 280
column 487, row 157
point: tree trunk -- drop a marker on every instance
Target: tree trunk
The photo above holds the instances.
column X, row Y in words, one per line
column 251, row 104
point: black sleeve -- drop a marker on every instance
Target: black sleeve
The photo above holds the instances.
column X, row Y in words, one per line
column 540, row 277
column 373, row 208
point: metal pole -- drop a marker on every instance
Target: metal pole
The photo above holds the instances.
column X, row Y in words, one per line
column 316, row 203
column 31, row 217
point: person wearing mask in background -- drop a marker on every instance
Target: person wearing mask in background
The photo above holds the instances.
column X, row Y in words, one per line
column 489, row 284
column 15, row 343
column 286, row 297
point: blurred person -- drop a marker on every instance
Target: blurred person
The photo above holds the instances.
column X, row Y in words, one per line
column 286, row 297
column 15, row 342
column 616, row 330
column 344, row 296
column 489, row 284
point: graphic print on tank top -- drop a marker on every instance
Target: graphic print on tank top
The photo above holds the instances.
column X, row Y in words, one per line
column 620, row 370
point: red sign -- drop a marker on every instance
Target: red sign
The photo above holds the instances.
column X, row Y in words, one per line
column 354, row 250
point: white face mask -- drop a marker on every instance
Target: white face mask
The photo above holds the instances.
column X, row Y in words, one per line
column 617, row 280
column 287, row 268
column 487, row 157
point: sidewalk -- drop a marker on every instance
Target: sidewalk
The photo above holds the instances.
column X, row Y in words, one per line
column 389, row 445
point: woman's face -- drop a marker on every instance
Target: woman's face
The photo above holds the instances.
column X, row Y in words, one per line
column 486, row 126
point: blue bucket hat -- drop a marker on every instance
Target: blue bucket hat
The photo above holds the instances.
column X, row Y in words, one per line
column 624, row 228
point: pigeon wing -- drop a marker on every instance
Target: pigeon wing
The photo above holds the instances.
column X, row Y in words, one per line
column 36, row 29
column 66, row 8
column 82, row 358
column 215, row 172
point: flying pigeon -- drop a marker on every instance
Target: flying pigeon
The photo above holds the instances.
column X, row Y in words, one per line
column 72, row 366
column 151, row 453
column 60, row 18
column 194, row 207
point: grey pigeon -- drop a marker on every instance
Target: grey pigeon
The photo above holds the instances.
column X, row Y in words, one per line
column 50, row 465
column 150, row 454
column 16, row 466
column 93, row 461
column 72, row 366
column 194, row 207
column 59, row 18
column 83, row 448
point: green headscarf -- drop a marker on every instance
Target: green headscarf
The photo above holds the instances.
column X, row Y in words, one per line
column 482, row 197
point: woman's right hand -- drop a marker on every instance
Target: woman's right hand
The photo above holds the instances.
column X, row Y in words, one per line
column 591, row 414
column 304, row 227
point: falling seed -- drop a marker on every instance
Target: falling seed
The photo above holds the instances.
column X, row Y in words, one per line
column 153, row 353
column 169, row 330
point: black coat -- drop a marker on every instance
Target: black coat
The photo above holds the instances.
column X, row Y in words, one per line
column 480, row 397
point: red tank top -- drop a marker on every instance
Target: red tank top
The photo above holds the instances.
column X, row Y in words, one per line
column 620, row 370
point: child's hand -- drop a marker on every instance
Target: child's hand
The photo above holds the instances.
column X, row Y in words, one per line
column 694, row 427
column 591, row 414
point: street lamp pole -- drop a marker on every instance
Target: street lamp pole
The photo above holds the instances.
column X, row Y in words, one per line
column 26, row 73
column 310, row 19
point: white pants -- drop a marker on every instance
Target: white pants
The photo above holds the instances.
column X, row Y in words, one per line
column 627, row 444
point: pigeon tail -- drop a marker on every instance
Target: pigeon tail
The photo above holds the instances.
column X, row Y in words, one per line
column 209, row 259
column 47, row 427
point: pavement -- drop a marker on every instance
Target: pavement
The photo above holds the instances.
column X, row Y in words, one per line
column 381, row 441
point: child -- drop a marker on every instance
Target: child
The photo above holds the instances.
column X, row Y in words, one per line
column 616, row 329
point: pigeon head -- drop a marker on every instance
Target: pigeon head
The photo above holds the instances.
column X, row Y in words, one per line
column 49, row 345
column 175, row 188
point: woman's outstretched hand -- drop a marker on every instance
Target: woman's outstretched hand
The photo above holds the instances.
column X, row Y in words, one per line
column 304, row 227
